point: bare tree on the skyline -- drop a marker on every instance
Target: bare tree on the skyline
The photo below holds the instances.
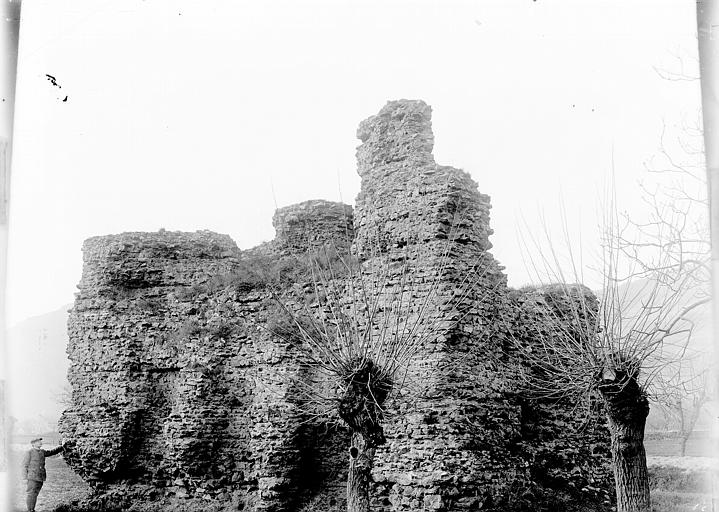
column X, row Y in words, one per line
column 672, row 244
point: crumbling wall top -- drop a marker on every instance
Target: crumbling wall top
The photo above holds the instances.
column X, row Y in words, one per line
column 401, row 130
column 143, row 259
column 300, row 227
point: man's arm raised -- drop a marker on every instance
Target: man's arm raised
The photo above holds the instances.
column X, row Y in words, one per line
column 54, row 451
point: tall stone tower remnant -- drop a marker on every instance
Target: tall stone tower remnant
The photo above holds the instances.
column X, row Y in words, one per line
column 451, row 450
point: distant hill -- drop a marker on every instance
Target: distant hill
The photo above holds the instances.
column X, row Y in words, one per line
column 37, row 370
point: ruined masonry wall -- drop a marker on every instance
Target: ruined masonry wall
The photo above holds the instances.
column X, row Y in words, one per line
column 310, row 224
column 177, row 392
column 472, row 442
column 453, row 450
column 180, row 393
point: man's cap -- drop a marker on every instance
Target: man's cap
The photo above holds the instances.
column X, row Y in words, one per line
column 36, row 439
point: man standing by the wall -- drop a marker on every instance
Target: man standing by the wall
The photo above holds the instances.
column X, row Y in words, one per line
column 33, row 469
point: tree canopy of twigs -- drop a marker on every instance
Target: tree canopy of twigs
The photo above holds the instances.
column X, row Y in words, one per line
column 616, row 344
column 637, row 323
column 671, row 243
column 359, row 327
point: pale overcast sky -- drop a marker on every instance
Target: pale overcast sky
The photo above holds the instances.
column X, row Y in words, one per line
column 180, row 114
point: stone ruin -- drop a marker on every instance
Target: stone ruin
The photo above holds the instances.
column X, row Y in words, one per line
column 179, row 395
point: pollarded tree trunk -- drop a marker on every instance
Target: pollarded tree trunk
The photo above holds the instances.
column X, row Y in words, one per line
column 361, row 409
column 630, row 466
column 359, row 477
column 627, row 410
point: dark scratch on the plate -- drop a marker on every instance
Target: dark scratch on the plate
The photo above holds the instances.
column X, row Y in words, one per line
column 53, row 80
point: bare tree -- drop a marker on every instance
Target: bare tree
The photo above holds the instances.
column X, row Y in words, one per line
column 707, row 15
column 612, row 347
column 672, row 245
column 683, row 397
column 359, row 328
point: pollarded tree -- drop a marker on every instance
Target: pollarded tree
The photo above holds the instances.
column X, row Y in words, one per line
column 609, row 347
column 359, row 329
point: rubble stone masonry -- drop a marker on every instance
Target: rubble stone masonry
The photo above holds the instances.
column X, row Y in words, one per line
column 180, row 392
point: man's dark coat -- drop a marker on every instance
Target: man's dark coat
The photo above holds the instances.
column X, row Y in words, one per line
column 33, row 465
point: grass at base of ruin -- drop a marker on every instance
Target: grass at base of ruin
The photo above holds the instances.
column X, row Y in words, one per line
column 677, row 486
column 668, row 501
column 681, row 484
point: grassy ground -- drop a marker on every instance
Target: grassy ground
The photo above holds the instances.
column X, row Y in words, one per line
column 679, row 484
column 663, row 501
